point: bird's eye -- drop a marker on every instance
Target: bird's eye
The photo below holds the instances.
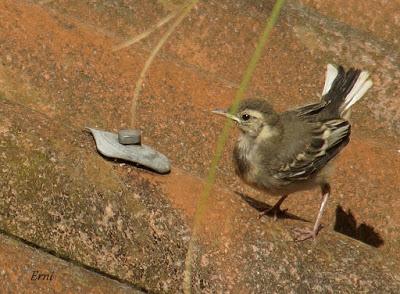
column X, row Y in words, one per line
column 245, row 116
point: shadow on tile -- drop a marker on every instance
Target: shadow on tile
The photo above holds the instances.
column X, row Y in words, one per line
column 261, row 206
column 347, row 225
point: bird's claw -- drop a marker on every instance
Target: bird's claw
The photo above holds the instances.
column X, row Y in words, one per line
column 301, row 234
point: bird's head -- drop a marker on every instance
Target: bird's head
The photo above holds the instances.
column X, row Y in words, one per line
column 253, row 116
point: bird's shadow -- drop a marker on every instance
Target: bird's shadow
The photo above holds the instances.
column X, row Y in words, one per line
column 262, row 206
column 346, row 224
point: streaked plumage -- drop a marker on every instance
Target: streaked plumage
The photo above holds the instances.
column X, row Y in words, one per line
column 288, row 152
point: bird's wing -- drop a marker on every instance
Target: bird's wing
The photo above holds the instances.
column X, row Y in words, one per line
column 328, row 138
column 309, row 110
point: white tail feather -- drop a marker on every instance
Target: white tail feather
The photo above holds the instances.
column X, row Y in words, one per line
column 330, row 76
column 361, row 86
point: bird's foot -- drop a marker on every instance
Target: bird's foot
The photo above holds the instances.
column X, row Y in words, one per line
column 274, row 210
column 301, row 234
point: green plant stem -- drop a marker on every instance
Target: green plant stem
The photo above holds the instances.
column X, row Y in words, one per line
column 201, row 204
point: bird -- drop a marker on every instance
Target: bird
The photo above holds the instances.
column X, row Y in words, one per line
column 287, row 152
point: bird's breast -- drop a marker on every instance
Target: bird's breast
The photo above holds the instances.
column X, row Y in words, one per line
column 244, row 161
column 249, row 167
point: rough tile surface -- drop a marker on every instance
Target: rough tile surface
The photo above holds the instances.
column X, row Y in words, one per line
column 24, row 269
column 58, row 74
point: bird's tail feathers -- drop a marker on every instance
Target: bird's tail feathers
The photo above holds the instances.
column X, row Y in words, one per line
column 344, row 88
column 330, row 76
column 361, row 87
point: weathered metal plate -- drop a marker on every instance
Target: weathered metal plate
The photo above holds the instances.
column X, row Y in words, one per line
column 108, row 145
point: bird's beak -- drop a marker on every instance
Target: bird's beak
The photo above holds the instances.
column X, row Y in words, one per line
column 225, row 113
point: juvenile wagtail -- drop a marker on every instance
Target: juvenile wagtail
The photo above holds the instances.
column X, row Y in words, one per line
column 282, row 153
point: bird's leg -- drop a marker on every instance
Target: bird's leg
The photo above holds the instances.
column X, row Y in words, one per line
column 304, row 234
column 276, row 209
